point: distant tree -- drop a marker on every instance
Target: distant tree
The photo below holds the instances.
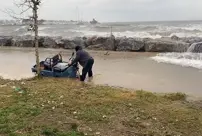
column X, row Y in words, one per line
column 34, row 4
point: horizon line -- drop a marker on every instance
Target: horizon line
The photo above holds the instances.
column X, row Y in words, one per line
column 181, row 20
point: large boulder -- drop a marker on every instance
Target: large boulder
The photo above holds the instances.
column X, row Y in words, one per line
column 110, row 43
column 41, row 41
column 79, row 41
column 130, row 44
column 49, row 42
column 89, row 41
column 5, row 41
column 25, row 41
column 159, row 45
column 68, row 44
column 103, row 43
column 175, row 38
column 99, row 40
column 192, row 40
column 195, row 48
column 96, row 47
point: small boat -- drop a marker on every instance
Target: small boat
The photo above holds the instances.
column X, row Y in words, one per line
column 56, row 67
column 94, row 22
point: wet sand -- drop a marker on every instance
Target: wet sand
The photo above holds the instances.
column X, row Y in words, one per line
column 124, row 69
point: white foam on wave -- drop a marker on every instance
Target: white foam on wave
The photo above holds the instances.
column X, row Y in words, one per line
column 181, row 35
column 117, row 34
column 41, row 28
column 40, row 34
column 20, row 28
column 191, row 27
column 136, row 34
column 82, row 26
column 183, row 59
column 151, row 31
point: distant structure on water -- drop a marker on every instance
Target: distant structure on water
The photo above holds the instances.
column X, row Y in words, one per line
column 29, row 21
column 94, row 22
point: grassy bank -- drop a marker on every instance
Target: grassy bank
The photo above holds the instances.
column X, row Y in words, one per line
column 58, row 107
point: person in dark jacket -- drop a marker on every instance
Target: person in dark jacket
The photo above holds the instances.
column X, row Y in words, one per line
column 85, row 60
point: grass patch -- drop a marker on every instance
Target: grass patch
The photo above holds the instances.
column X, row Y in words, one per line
column 175, row 96
column 56, row 132
column 60, row 107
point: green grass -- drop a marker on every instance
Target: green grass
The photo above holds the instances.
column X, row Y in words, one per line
column 59, row 107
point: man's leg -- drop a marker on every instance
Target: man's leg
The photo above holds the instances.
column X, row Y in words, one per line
column 90, row 72
column 84, row 72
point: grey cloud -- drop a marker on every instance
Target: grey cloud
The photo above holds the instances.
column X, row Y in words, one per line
column 118, row 10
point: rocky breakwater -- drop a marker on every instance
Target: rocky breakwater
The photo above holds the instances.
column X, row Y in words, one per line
column 5, row 41
column 165, row 44
column 137, row 44
column 44, row 42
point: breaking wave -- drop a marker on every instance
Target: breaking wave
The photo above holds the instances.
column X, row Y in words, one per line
column 133, row 29
column 186, row 59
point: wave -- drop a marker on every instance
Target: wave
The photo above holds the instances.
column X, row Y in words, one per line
column 187, row 59
column 41, row 28
column 140, row 34
column 116, row 34
column 181, row 35
column 21, row 28
column 121, row 30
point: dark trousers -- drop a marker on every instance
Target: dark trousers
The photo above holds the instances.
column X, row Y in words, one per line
column 87, row 69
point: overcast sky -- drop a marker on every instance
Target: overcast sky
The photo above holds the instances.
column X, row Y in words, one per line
column 115, row 10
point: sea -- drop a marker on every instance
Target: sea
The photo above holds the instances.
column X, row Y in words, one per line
column 119, row 29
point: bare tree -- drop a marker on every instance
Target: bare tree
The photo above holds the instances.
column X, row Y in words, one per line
column 35, row 4
column 26, row 6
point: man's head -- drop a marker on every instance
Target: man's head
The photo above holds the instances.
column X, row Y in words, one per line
column 78, row 48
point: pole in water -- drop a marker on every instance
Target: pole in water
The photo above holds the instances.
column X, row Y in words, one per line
column 111, row 30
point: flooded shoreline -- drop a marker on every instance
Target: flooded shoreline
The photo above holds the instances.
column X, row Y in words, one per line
column 122, row 69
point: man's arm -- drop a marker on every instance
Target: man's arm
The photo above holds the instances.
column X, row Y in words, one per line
column 76, row 59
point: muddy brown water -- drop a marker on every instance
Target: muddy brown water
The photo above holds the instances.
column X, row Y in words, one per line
column 123, row 69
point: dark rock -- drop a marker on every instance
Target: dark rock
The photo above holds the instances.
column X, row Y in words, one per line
column 195, row 48
column 41, row 40
column 68, row 44
column 99, row 40
column 25, row 41
column 130, row 44
column 165, row 46
column 84, row 38
column 5, row 41
column 89, row 41
column 102, row 43
column 110, row 44
column 174, row 37
column 49, row 43
column 59, row 42
column 96, row 47
column 79, row 41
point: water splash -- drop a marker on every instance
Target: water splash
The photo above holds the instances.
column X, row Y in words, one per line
column 183, row 59
column 195, row 47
